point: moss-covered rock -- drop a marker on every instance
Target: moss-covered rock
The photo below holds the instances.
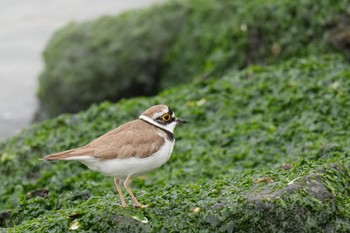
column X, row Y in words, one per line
column 266, row 151
column 141, row 52
column 219, row 35
column 215, row 206
column 107, row 59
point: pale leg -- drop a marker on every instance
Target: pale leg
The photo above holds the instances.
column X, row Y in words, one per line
column 116, row 181
column 126, row 183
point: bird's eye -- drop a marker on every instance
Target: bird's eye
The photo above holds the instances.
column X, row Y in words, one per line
column 166, row 117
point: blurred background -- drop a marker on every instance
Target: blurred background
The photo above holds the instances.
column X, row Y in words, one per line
column 26, row 27
column 63, row 56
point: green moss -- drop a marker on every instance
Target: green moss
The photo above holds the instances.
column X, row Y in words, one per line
column 219, row 205
column 109, row 58
column 142, row 52
column 227, row 161
column 219, row 35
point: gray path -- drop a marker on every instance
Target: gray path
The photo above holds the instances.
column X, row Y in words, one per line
column 25, row 27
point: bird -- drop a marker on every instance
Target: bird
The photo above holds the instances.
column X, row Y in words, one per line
column 130, row 150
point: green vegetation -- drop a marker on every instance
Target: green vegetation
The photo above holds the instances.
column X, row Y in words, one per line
column 142, row 52
column 266, row 151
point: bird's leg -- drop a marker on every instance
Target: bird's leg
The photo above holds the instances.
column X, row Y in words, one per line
column 116, row 181
column 126, row 183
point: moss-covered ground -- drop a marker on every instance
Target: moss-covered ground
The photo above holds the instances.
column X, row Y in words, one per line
column 266, row 150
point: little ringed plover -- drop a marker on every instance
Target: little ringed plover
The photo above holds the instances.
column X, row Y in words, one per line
column 130, row 150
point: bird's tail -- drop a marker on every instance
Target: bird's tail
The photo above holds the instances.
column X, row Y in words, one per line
column 68, row 154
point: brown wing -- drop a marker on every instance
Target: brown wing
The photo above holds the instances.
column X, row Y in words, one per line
column 136, row 138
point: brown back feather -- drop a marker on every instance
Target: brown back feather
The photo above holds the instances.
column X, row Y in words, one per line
column 134, row 139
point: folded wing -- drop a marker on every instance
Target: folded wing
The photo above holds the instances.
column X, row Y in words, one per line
column 134, row 139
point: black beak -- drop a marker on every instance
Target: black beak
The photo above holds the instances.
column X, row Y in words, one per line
column 180, row 121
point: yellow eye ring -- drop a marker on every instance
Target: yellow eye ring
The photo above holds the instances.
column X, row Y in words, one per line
column 166, row 117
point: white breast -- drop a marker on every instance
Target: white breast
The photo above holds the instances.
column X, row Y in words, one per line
column 121, row 168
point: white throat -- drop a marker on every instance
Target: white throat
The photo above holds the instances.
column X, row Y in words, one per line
column 169, row 127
